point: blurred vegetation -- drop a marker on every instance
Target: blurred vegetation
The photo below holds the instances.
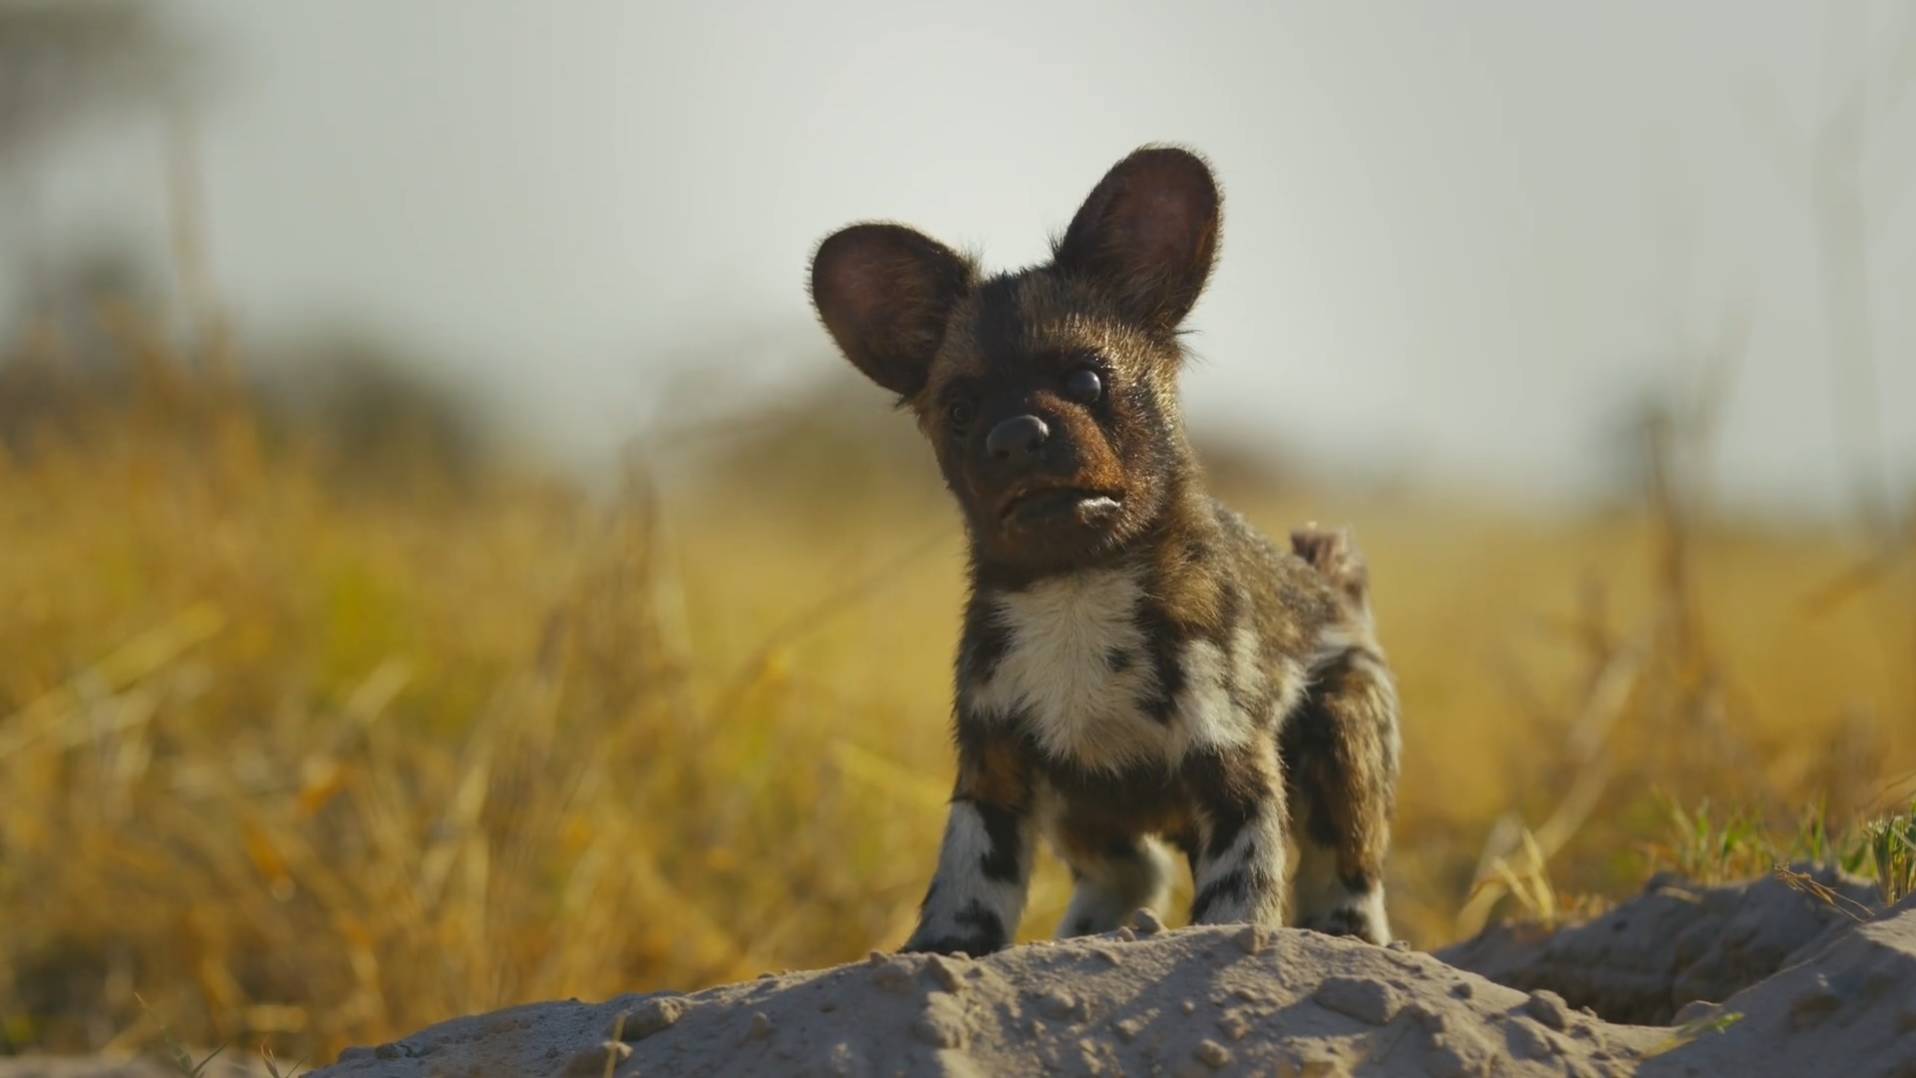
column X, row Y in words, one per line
column 65, row 63
column 323, row 718
column 320, row 720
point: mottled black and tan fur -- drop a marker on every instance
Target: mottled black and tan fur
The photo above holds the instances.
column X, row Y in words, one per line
column 1136, row 662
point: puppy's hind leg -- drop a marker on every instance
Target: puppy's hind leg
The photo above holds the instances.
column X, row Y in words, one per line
column 1340, row 750
column 1110, row 881
column 1238, row 845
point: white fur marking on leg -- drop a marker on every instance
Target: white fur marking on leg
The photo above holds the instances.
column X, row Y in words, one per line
column 1258, row 850
column 961, row 880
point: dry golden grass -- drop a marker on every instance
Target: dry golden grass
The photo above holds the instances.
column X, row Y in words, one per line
column 308, row 755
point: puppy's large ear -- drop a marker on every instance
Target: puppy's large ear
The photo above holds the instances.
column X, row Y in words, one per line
column 885, row 292
column 1148, row 234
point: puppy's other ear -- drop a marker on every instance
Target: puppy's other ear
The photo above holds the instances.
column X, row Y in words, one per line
column 885, row 292
column 1148, row 234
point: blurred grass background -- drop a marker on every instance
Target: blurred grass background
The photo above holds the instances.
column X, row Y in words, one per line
column 319, row 723
column 327, row 711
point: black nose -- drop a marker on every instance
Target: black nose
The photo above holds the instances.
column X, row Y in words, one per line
column 1017, row 437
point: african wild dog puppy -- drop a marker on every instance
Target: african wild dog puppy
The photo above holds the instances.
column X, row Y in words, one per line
column 1135, row 661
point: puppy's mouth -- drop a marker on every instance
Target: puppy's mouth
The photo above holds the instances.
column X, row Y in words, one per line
column 1045, row 505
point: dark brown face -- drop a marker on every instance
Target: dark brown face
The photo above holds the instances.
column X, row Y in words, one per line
column 1049, row 395
column 1054, row 420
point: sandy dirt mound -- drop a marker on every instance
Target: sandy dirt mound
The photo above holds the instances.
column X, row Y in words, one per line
column 1229, row 999
column 1794, row 987
column 1673, row 944
column 1849, row 1009
column 1187, row 1002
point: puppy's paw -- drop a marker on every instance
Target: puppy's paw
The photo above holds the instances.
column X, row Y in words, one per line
column 1361, row 916
column 971, row 946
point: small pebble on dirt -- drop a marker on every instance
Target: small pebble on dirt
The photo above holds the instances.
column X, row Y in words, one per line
column 1233, row 1025
column 1251, row 938
column 1549, row 1008
column 761, row 1026
column 1213, row 1054
column 1058, row 1005
column 1528, row 1040
column 1189, row 1006
column 945, row 972
column 648, row 1018
column 1252, row 995
column 1366, row 1001
column 1129, row 1028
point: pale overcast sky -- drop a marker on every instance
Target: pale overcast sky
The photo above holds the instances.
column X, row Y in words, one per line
column 1460, row 237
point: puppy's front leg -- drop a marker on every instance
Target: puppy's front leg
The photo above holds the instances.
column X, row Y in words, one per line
column 1238, row 862
column 984, row 866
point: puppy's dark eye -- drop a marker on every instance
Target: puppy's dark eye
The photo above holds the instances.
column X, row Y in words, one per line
column 959, row 412
column 1083, row 385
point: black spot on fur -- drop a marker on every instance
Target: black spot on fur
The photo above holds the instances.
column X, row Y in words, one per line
column 1308, row 745
column 1001, row 328
column 986, row 928
column 1225, row 827
column 1001, row 862
column 980, row 932
column 1162, row 641
column 984, row 644
column 1144, row 786
column 1229, row 885
column 1230, row 793
column 1318, row 818
column 1118, row 660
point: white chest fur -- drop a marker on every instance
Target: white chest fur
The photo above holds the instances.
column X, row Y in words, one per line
column 1079, row 672
column 1076, row 669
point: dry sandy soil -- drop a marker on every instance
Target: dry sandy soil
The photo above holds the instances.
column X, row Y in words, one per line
column 1756, row 979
